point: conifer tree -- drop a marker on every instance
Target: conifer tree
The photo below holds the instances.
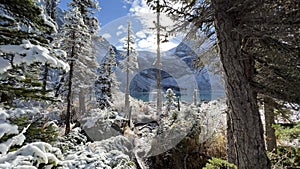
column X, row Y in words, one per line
column 106, row 83
column 258, row 43
column 50, row 7
column 170, row 102
column 74, row 40
column 85, row 73
column 26, row 32
column 87, row 9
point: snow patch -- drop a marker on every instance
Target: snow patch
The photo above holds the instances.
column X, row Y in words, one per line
column 29, row 53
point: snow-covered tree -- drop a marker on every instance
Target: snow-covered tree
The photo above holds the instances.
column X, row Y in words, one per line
column 24, row 48
column 102, row 89
column 50, row 7
column 170, row 102
column 22, row 132
column 106, row 82
column 86, row 70
column 129, row 64
column 87, row 9
column 75, row 39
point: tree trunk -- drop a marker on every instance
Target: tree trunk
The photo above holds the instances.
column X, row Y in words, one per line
column 45, row 76
column 158, row 66
column 127, row 103
column 69, row 99
column 245, row 141
column 269, row 121
column 82, row 108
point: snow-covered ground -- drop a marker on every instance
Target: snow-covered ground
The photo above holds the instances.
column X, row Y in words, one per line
column 71, row 151
column 152, row 133
column 113, row 146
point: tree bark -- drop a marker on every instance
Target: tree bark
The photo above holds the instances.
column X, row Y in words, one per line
column 45, row 76
column 245, row 141
column 82, row 108
column 269, row 121
column 69, row 99
column 158, row 66
column 69, row 95
column 127, row 103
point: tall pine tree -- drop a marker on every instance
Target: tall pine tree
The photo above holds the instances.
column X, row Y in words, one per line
column 74, row 40
column 106, row 82
column 76, row 37
column 85, row 71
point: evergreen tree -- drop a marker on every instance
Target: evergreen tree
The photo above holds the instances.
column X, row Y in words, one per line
column 50, row 7
column 24, row 19
column 129, row 64
column 26, row 32
column 87, row 9
column 106, row 83
column 75, row 39
column 85, row 71
column 252, row 37
column 170, row 102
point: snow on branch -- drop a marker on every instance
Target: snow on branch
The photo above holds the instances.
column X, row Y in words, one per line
column 29, row 53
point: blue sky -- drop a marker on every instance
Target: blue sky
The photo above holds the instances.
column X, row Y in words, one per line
column 115, row 14
column 110, row 10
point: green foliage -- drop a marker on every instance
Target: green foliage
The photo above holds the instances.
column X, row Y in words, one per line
column 40, row 129
column 28, row 14
column 71, row 140
column 22, row 83
column 20, row 20
column 287, row 133
column 217, row 163
column 285, row 157
column 106, row 80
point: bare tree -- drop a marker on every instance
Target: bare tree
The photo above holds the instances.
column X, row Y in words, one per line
column 129, row 64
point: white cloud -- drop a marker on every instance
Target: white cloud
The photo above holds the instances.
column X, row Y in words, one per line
column 140, row 9
column 106, row 36
column 142, row 19
column 149, row 43
column 147, row 17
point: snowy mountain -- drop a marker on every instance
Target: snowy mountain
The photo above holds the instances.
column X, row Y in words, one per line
column 59, row 17
column 177, row 73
